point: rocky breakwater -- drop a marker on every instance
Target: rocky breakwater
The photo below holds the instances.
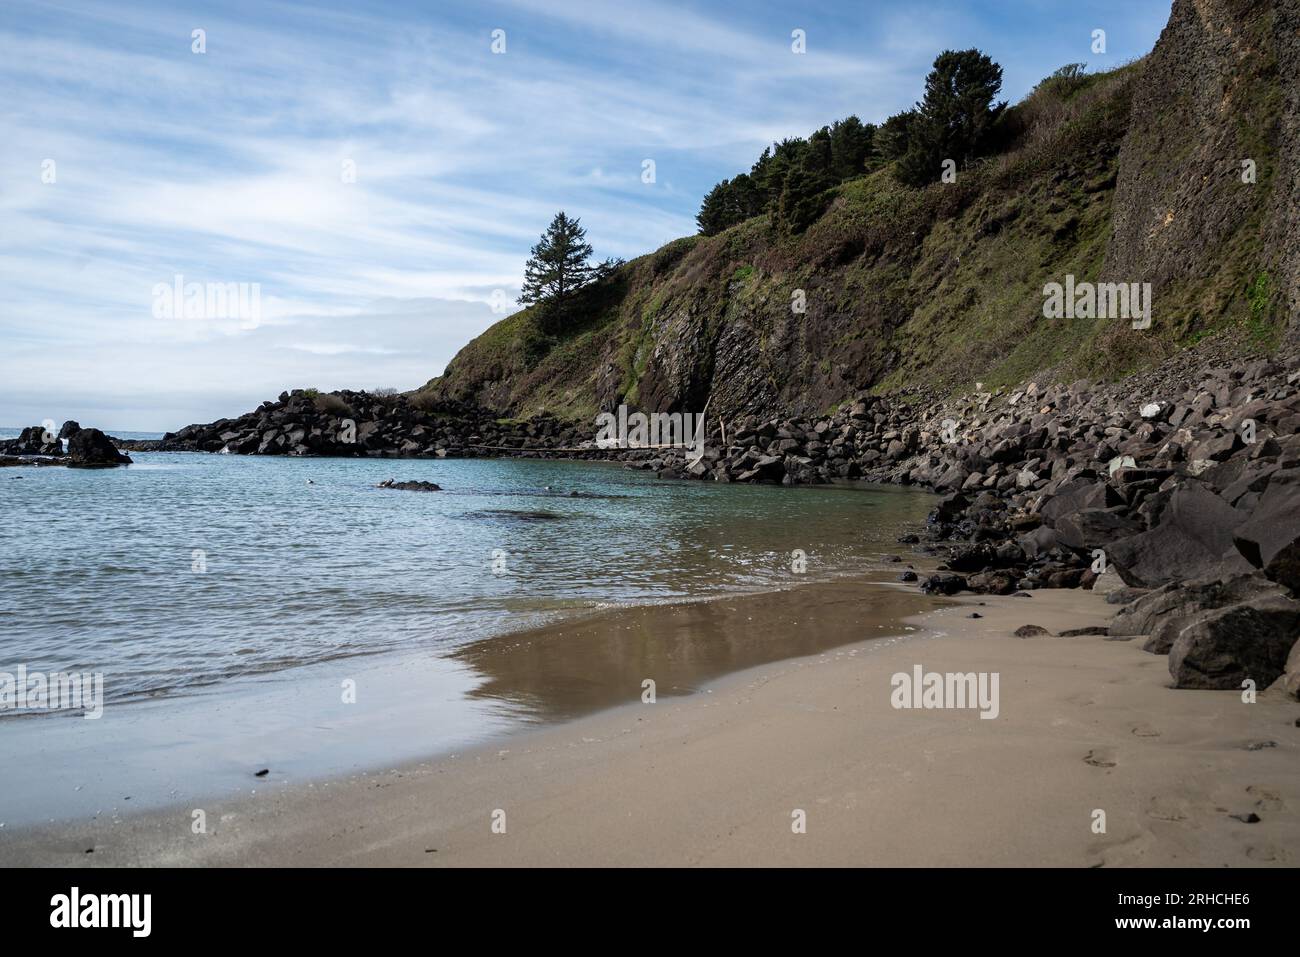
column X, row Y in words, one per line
column 346, row 423
column 72, row 446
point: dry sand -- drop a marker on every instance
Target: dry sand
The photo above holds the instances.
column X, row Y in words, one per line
column 715, row 778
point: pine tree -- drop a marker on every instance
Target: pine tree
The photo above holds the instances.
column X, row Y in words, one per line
column 891, row 139
column 803, row 194
column 558, row 265
column 714, row 216
column 956, row 118
column 851, row 143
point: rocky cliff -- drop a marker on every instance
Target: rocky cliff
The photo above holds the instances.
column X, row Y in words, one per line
column 1132, row 176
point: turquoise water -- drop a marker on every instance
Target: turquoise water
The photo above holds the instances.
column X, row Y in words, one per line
column 188, row 571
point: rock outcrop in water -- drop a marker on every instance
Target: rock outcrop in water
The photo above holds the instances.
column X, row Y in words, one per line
column 92, row 449
column 360, row 424
column 87, row 448
column 410, row 486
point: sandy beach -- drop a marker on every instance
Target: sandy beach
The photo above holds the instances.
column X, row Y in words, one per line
column 718, row 777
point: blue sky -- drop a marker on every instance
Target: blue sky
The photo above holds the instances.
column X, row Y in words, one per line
column 228, row 166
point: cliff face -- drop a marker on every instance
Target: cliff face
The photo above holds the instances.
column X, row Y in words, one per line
column 1217, row 99
column 1130, row 176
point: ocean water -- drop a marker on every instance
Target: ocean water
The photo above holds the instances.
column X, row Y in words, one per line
column 222, row 597
column 187, row 570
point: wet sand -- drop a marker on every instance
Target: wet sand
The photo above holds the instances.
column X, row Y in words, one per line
column 717, row 777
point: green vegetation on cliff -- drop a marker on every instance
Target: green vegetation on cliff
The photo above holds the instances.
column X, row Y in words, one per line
column 891, row 285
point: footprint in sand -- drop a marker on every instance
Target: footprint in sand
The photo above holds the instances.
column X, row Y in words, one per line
column 1265, row 799
column 1100, row 758
column 1145, row 730
column 1165, row 808
column 1265, row 854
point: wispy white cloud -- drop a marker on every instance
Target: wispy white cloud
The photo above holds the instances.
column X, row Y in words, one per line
column 228, row 167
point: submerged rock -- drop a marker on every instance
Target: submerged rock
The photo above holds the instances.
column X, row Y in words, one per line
column 410, row 486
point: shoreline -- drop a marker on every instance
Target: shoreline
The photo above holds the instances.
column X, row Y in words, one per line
column 206, row 744
column 712, row 778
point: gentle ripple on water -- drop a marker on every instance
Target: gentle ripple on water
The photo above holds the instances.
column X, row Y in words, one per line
column 97, row 565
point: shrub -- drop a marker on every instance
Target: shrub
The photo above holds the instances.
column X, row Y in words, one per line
column 329, row 402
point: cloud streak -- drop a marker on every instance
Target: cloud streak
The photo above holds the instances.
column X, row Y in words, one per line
column 229, row 167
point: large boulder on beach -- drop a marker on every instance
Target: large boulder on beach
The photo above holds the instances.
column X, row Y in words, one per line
column 1176, row 606
column 1224, row 647
column 91, row 449
column 1270, row 540
column 1193, row 540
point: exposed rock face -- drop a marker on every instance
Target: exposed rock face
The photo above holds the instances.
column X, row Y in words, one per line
column 91, row 448
column 1182, row 213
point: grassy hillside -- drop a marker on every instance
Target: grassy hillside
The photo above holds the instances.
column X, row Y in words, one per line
column 937, row 286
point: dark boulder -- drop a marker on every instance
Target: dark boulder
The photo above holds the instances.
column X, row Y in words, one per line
column 1193, row 540
column 1094, row 528
column 973, row 558
column 1270, row 540
column 950, row 507
column 1000, row 582
column 92, row 449
column 943, row 584
column 410, row 486
column 1077, row 496
column 1223, row 648
column 1182, row 605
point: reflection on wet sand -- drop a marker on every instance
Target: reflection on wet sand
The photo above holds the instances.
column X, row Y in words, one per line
column 578, row 666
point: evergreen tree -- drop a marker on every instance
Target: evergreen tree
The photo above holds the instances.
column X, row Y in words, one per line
column 770, row 172
column 891, row 139
column 714, row 215
column 802, row 195
column 558, row 265
column 851, row 144
column 956, row 118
